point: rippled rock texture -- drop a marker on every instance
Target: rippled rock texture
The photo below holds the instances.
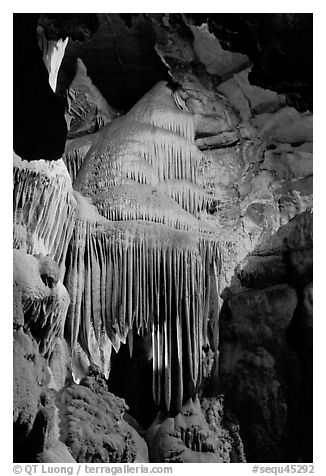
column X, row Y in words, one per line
column 92, row 426
column 163, row 246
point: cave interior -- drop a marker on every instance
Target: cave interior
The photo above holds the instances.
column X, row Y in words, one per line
column 162, row 237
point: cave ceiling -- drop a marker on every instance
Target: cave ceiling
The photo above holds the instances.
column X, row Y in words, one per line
column 123, row 59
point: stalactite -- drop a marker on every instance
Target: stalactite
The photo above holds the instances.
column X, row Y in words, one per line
column 53, row 52
column 44, row 204
column 193, row 198
column 133, row 201
column 135, row 268
column 140, row 259
column 75, row 152
column 159, row 108
column 170, row 155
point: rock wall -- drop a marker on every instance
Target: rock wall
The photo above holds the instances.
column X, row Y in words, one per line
column 177, row 237
column 266, row 345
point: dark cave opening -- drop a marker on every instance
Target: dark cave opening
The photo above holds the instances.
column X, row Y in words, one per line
column 300, row 338
column 131, row 378
column 28, row 443
column 123, row 72
column 127, row 68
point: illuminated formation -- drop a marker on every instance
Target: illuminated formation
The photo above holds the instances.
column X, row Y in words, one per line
column 140, row 259
column 44, row 207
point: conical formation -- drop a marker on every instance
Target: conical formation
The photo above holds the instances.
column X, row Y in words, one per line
column 140, row 260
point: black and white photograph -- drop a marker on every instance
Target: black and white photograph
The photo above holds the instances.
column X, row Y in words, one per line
column 162, row 241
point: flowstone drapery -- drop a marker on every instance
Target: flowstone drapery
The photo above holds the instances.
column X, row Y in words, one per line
column 119, row 219
column 139, row 260
column 44, row 208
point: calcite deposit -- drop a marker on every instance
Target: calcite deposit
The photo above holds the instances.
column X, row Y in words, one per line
column 162, row 239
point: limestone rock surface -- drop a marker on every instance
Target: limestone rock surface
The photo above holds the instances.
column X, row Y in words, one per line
column 174, row 227
column 92, row 426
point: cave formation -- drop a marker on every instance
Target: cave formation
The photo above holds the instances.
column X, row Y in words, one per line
column 162, row 238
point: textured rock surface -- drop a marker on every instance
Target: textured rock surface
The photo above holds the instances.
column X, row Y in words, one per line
column 91, row 424
column 87, row 109
column 282, row 63
column 257, row 149
column 44, row 304
column 29, row 371
column 196, row 435
column 265, row 351
column 39, row 313
column 200, row 195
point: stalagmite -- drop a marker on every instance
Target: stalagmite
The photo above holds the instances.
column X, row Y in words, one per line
column 44, row 307
column 139, row 258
